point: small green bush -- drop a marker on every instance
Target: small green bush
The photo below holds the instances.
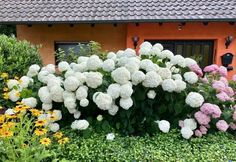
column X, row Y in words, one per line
column 17, row 56
column 161, row 147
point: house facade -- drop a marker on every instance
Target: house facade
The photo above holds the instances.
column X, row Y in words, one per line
column 203, row 29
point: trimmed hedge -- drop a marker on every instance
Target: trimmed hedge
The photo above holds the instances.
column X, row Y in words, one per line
column 162, row 147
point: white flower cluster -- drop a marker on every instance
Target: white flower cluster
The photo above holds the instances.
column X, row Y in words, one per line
column 188, row 126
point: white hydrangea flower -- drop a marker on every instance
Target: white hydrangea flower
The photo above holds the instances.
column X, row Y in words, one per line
column 132, row 66
column 145, row 63
column 72, row 111
column 42, row 76
column 126, row 103
column 44, row 95
column 14, row 95
column 180, row 86
column 57, row 114
column 34, row 68
column 82, row 59
column 103, row 101
column 151, row 94
column 121, row 75
column 146, row 44
column 31, row 74
column 169, row 85
column 130, row 52
column 165, row 73
column 72, row 65
column 164, row 126
column 191, row 77
column 52, row 80
column 108, row 65
column 145, row 51
column 70, row 103
column 120, row 54
column 46, row 106
column 152, row 67
column 99, row 118
column 50, row 68
column 155, row 51
column 191, row 123
column 24, row 81
column 80, row 76
column 94, row 62
column 12, row 83
column 152, row 79
column 54, row 127
column 31, row 102
column 114, row 109
column 114, row 90
column 69, row 72
column 177, row 77
column 126, row 91
column 137, row 77
column 172, row 68
column 9, row 112
column 122, row 61
column 110, row 136
column 57, row 93
column 82, row 93
column 71, row 83
column 84, row 102
column 194, row 99
column 111, row 55
column 166, row 54
column 68, row 94
column 186, row 132
column 158, row 45
column 82, row 67
column 189, row 62
column 178, row 60
column 93, row 79
column 80, row 124
column 77, row 114
column 63, row 66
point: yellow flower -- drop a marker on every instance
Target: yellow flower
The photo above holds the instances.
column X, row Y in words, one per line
column 2, row 118
column 35, row 112
column 13, row 116
column 45, row 141
column 6, row 95
column 5, row 89
column 58, row 135
column 16, row 77
column 40, row 123
column 19, row 103
column 8, row 125
column 63, row 140
column 52, row 118
column 1, row 107
column 19, row 108
column 4, row 75
column 40, row 131
column 6, row 134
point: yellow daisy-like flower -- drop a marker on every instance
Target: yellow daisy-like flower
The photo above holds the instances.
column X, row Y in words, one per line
column 5, row 89
column 63, row 140
column 40, row 123
column 13, row 116
column 4, row 75
column 45, row 141
column 6, row 134
column 6, row 95
column 2, row 118
column 58, row 135
column 9, row 125
column 19, row 108
column 40, row 131
column 35, row 112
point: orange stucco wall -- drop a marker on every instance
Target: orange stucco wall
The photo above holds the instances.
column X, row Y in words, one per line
column 216, row 31
column 111, row 38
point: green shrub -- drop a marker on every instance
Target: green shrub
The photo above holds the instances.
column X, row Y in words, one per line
column 16, row 56
column 162, row 147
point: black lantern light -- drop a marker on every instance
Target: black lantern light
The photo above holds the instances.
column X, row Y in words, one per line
column 226, row 60
column 135, row 40
column 228, row 41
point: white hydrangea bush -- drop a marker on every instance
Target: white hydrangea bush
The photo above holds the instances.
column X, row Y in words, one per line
column 131, row 90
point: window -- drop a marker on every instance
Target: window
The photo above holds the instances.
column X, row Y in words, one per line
column 201, row 50
column 69, row 47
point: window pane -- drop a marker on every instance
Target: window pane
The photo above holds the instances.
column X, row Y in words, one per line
column 179, row 49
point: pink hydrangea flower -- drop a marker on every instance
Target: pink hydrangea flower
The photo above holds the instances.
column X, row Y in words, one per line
column 232, row 126
column 198, row 133
column 222, row 125
column 202, row 118
column 203, row 129
column 196, row 69
column 234, row 115
column 181, row 123
column 234, row 78
column 222, row 96
column 211, row 110
column 223, row 71
column 211, row 68
column 229, row 91
column 204, row 80
column 218, row 85
column 224, row 80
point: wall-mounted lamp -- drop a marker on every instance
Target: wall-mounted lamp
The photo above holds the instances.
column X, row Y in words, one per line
column 180, row 26
column 135, row 40
column 226, row 60
column 228, row 41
